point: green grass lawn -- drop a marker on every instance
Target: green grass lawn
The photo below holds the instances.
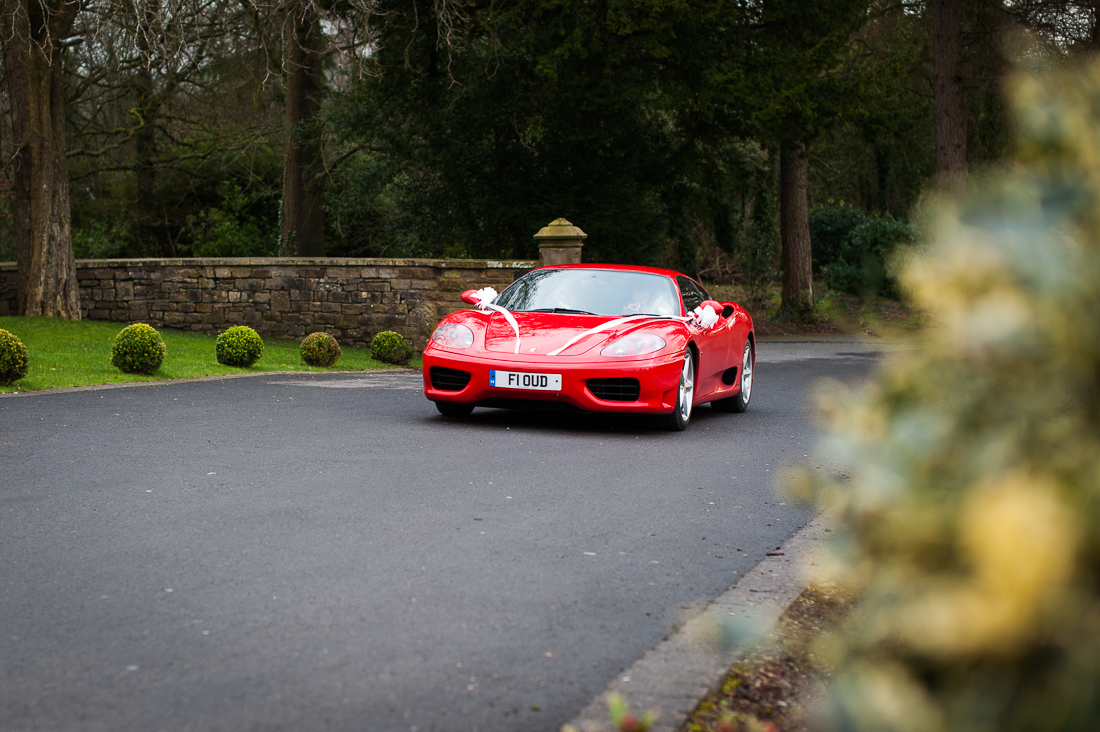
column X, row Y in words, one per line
column 65, row 353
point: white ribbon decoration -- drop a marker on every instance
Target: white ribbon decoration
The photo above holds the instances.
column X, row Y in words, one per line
column 700, row 317
column 597, row 329
column 704, row 317
column 485, row 297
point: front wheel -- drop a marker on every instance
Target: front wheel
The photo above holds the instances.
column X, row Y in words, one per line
column 740, row 401
column 681, row 413
column 454, row 409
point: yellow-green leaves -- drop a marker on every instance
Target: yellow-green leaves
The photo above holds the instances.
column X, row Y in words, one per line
column 138, row 349
column 14, row 359
column 239, row 346
column 972, row 514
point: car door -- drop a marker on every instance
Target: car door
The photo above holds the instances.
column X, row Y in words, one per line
column 713, row 343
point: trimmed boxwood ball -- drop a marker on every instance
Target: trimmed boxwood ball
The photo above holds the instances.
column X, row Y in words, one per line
column 390, row 347
column 138, row 349
column 14, row 359
column 239, row 346
column 320, row 349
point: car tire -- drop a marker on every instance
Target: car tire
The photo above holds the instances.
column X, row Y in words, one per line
column 740, row 401
column 454, row 409
column 685, row 393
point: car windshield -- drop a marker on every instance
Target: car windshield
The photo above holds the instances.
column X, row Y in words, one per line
column 592, row 292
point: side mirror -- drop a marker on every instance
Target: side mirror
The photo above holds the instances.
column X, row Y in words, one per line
column 470, row 296
column 716, row 306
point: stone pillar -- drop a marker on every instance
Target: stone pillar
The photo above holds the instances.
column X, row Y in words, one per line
column 560, row 243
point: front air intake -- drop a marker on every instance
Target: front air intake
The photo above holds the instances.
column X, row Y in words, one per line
column 446, row 379
column 615, row 390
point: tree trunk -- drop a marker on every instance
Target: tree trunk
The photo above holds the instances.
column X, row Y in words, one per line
column 145, row 142
column 794, row 230
column 303, row 168
column 46, row 271
column 947, row 95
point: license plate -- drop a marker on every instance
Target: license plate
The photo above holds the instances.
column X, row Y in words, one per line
column 522, row 380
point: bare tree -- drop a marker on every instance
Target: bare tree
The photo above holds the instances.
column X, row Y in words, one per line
column 34, row 34
column 315, row 37
column 303, row 39
column 140, row 55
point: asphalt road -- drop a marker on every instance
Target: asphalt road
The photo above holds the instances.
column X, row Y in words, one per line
column 326, row 552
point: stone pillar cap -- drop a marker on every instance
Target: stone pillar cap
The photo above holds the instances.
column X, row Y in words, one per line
column 560, row 229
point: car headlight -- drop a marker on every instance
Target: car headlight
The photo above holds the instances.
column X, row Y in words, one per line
column 635, row 344
column 453, row 335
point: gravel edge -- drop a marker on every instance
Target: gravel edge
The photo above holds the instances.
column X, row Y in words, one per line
column 680, row 671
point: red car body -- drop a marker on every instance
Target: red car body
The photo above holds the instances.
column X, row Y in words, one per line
column 583, row 375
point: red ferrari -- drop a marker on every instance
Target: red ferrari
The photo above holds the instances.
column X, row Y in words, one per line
column 594, row 337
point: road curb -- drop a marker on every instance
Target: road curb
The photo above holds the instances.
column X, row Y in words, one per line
column 677, row 674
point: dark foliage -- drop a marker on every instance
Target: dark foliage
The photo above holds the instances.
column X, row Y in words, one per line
column 854, row 250
column 536, row 111
column 830, row 226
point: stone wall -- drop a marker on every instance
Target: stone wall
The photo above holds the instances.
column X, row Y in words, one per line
column 353, row 299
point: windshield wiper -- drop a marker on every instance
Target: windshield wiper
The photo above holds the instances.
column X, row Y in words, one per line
column 560, row 310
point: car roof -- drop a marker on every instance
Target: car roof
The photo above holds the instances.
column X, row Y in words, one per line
column 620, row 267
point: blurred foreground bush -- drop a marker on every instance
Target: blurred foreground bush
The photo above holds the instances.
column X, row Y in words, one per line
column 972, row 514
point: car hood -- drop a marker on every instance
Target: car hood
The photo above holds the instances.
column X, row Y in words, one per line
column 541, row 333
